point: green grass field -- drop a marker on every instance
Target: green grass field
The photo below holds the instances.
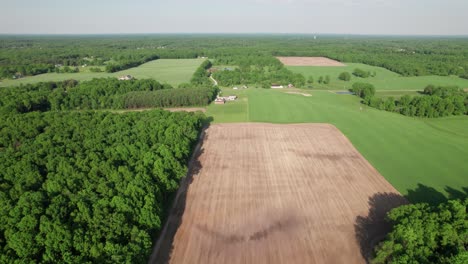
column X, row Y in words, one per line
column 384, row 80
column 407, row 151
column 172, row 71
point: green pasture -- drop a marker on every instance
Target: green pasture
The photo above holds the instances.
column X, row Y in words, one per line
column 172, row 71
column 384, row 80
column 410, row 153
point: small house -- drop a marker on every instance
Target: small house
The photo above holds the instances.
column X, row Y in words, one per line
column 235, row 88
column 125, row 78
column 290, row 85
column 277, row 86
column 220, row 100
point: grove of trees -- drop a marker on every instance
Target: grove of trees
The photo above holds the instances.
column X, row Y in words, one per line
column 437, row 101
column 344, row 76
column 256, row 69
column 426, row 234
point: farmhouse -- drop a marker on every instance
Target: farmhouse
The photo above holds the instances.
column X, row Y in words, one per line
column 220, row 100
column 125, row 78
column 277, row 86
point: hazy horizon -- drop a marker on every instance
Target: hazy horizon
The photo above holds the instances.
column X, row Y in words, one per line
column 333, row 17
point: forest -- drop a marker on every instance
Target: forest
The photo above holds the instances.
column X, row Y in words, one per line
column 410, row 56
column 436, row 101
column 89, row 187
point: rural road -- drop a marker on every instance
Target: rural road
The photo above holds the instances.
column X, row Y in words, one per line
column 215, row 82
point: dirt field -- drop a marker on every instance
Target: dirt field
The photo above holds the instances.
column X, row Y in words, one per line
column 309, row 61
column 267, row 193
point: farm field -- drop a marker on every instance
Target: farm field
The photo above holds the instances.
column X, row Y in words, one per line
column 309, row 61
column 172, row 71
column 269, row 193
column 407, row 151
column 384, row 80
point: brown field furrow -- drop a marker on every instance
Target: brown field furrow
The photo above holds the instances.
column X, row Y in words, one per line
column 309, row 61
column 267, row 193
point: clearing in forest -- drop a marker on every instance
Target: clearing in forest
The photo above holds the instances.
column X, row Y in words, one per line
column 270, row 193
column 309, row 61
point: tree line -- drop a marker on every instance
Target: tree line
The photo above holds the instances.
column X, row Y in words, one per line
column 437, row 101
column 89, row 187
column 103, row 93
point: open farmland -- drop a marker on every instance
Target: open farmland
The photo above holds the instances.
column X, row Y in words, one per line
column 172, row 71
column 309, row 61
column 265, row 193
column 406, row 151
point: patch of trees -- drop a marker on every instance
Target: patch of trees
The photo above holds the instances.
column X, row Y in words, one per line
column 361, row 73
column 67, row 69
column 170, row 97
column 426, row 234
column 255, row 69
column 201, row 76
column 344, row 76
column 89, row 187
column 12, row 72
column 129, row 62
column 363, row 90
column 438, row 101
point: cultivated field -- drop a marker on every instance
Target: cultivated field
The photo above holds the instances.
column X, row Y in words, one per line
column 172, row 71
column 309, row 61
column 266, row 193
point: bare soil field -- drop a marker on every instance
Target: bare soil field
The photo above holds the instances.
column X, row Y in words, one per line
column 186, row 109
column 268, row 193
column 303, row 94
column 309, row 61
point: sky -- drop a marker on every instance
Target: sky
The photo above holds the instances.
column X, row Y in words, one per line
column 381, row 17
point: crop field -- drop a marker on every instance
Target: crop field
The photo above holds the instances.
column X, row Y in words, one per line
column 172, row 71
column 384, row 79
column 266, row 193
column 309, row 61
column 406, row 151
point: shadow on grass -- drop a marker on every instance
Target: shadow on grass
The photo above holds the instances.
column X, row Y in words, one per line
column 426, row 194
column 164, row 245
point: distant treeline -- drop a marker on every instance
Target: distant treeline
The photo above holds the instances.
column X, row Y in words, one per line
column 170, row 98
column 437, row 101
column 104, row 93
column 410, row 56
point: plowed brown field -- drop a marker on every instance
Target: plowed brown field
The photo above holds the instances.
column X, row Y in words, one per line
column 267, row 193
column 309, row 61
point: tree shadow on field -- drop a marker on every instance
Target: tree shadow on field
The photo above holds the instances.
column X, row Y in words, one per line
column 163, row 248
column 371, row 229
column 426, row 194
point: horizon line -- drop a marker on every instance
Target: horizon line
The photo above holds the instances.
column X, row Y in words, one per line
column 233, row 33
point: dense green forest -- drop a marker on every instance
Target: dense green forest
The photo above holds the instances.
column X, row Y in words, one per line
column 426, row 234
column 436, row 101
column 409, row 56
column 89, row 187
